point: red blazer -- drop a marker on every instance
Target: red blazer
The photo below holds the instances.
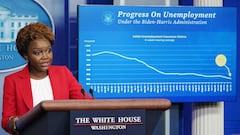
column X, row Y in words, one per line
column 17, row 94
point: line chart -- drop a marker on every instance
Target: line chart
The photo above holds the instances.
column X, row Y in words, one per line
column 161, row 72
column 179, row 61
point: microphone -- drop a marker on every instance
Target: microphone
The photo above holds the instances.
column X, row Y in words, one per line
column 91, row 92
column 83, row 93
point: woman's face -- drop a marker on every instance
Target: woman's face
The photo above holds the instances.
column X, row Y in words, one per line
column 39, row 56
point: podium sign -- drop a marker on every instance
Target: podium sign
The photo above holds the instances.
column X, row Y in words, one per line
column 115, row 122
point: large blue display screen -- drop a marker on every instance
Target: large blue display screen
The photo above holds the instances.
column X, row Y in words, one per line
column 179, row 53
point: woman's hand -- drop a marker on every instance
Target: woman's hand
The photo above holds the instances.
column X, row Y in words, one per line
column 12, row 124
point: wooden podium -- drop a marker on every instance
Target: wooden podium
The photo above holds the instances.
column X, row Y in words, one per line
column 95, row 117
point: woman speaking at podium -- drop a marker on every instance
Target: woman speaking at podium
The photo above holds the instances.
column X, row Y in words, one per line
column 38, row 80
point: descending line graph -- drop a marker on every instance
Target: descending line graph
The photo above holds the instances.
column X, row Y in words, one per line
column 142, row 71
column 120, row 74
column 123, row 71
column 157, row 70
column 181, row 62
